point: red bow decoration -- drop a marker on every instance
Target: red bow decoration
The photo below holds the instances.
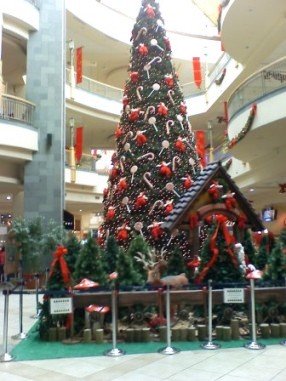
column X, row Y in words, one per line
column 169, row 206
column 123, row 234
column 180, row 145
column 118, row 132
column 141, row 139
column 59, row 259
column 134, row 76
column 165, row 170
column 183, row 108
column 134, row 115
column 162, row 109
column 141, row 201
column 169, row 80
column 143, row 50
column 156, row 232
column 149, row 10
column 122, row 184
column 110, row 213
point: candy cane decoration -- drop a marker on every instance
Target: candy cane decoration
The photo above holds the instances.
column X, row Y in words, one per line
column 148, row 111
column 142, row 32
column 169, row 123
column 155, row 60
column 129, row 134
column 149, row 156
column 156, row 203
column 139, row 88
column 146, row 177
column 170, row 95
column 176, row 160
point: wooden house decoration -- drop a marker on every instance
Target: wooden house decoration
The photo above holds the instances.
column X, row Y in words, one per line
column 213, row 199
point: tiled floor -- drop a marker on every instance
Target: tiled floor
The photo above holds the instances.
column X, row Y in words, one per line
column 223, row 364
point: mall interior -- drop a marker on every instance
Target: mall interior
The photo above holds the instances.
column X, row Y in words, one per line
column 63, row 66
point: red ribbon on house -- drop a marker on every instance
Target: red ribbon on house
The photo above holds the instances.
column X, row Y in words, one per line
column 79, row 65
column 229, row 239
column 60, row 260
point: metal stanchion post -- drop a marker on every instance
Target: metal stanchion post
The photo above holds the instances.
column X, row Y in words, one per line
column 253, row 344
column 37, row 281
column 168, row 350
column 47, row 270
column 114, row 352
column 210, row 344
column 6, row 356
column 21, row 335
column 283, row 342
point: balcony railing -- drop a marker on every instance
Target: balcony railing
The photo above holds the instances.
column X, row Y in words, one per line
column 17, row 109
column 268, row 80
column 97, row 88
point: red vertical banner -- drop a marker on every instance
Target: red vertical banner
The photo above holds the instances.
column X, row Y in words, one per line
column 200, row 145
column 197, row 70
column 78, row 143
column 79, row 65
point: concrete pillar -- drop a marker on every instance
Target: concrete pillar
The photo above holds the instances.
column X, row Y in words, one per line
column 44, row 176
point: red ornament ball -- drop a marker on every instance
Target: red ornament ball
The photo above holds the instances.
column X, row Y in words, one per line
column 122, row 235
column 165, row 171
column 141, row 140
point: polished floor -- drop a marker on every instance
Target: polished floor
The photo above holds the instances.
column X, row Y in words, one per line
column 240, row 364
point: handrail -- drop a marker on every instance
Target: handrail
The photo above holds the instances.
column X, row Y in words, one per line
column 17, row 109
column 265, row 81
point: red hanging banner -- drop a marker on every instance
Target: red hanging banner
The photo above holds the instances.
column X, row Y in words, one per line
column 197, row 71
column 200, row 145
column 79, row 65
column 78, row 143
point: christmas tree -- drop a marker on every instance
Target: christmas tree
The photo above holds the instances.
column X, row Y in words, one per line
column 276, row 267
column 127, row 274
column 90, row 263
column 156, row 159
column 139, row 244
column 73, row 247
column 111, row 254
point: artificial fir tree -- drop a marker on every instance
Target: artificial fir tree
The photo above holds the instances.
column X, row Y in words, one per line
column 248, row 247
column 73, row 247
column 90, row 263
column 139, row 244
column 176, row 263
column 111, row 254
column 263, row 253
column 127, row 274
column 57, row 286
column 276, row 266
column 156, row 159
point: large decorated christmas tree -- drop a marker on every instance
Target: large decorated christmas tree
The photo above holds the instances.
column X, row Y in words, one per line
column 156, row 160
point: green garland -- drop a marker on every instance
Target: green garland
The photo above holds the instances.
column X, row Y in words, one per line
column 245, row 129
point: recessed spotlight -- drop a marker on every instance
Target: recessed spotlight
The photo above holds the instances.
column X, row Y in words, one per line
column 251, row 190
column 8, row 197
column 80, row 210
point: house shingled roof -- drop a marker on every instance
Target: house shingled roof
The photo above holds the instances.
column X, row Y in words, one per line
column 202, row 181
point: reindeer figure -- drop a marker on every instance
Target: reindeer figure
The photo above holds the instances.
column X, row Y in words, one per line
column 155, row 264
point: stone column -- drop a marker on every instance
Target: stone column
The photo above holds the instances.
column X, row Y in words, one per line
column 44, row 176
